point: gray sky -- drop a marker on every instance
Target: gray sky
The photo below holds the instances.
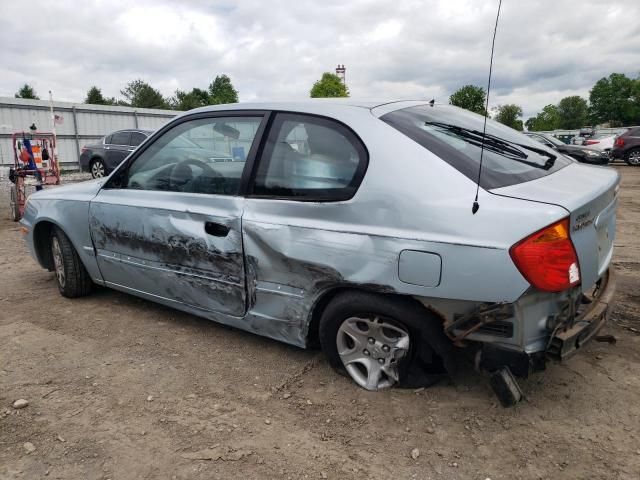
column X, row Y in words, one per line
column 545, row 50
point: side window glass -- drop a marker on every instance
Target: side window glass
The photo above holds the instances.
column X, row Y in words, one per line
column 310, row 158
column 197, row 156
column 137, row 138
column 120, row 138
column 107, row 139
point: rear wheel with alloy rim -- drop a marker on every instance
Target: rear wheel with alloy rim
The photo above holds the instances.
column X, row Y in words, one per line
column 633, row 157
column 98, row 169
column 382, row 340
column 371, row 349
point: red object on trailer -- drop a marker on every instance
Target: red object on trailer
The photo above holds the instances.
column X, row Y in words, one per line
column 35, row 164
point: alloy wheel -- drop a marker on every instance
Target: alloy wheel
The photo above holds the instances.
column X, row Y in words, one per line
column 371, row 349
column 97, row 169
column 634, row 157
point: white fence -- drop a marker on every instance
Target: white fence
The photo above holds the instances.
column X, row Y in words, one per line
column 81, row 124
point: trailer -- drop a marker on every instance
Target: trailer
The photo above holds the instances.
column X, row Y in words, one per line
column 35, row 165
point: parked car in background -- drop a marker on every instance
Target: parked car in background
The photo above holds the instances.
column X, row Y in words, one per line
column 601, row 141
column 581, row 154
column 103, row 157
column 627, row 147
column 350, row 225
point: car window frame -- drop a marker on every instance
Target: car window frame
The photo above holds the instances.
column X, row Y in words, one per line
column 115, row 180
column 132, row 132
column 273, row 129
column 121, row 144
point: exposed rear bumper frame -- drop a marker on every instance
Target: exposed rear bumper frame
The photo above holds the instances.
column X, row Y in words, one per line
column 566, row 342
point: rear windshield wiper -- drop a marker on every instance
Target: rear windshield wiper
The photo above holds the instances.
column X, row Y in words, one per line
column 497, row 145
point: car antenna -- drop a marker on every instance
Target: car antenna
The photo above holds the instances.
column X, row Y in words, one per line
column 476, row 205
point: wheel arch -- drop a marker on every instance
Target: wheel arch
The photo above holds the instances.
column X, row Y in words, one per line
column 325, row 298
column 42, row 232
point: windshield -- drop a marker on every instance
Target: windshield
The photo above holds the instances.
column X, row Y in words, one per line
column 455, row 135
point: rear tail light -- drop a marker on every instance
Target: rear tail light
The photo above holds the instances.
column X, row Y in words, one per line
column 619, row 142
column 591, row 142
column 547, row 258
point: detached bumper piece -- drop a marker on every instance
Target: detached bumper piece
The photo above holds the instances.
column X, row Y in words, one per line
column 568, row 338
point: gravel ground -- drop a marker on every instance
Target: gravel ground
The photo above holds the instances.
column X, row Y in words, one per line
column 121, row 388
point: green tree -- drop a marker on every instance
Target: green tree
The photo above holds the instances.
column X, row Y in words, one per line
column 573, row 112
column 547, row 119
column 139, row 93
column 470, row 98
column 614, row 100
column 27, row 91
column 188, row 100
column 221, row 91
column 94, row 97
column 329, row 85
column 509, row 115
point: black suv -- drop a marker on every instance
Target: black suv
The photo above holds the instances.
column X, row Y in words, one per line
column 101, row 158
column 627, row 147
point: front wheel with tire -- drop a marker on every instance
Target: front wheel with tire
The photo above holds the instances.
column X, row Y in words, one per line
column 71, row 276
column 98, row 170
column 633, row 157
column 381, row 341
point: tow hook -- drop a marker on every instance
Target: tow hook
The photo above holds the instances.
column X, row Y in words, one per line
column 505, row 387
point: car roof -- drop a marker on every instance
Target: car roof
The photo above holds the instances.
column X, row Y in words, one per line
column 316, row 105
column 141, row 130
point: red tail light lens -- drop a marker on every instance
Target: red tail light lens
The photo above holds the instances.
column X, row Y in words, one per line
column 619, row 142
column 591, row 142
column 547, row 259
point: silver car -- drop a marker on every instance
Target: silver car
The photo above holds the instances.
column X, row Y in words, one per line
column 349, row 225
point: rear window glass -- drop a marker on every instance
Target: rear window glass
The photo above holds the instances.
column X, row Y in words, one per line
column 455, row 135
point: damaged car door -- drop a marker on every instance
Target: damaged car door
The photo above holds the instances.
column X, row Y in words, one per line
column 168, row 224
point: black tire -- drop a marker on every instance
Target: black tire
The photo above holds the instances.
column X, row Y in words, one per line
column 97, row 168
column 633, row 157
column 75, row 281
column 15, row 212
column 430, row 356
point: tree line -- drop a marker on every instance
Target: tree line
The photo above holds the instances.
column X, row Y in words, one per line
column 141, row 94
column 613, row 100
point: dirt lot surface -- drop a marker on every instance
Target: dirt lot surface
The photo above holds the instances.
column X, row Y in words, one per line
column 121, row 388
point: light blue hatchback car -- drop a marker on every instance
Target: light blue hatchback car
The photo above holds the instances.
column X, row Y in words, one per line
column 349, row 225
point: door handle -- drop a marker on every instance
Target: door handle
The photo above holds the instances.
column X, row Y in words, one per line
column 216, row 229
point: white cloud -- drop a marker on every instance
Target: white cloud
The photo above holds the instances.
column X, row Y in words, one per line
column 277, row 49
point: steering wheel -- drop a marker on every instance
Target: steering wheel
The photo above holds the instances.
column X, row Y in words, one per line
column 181, row 174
